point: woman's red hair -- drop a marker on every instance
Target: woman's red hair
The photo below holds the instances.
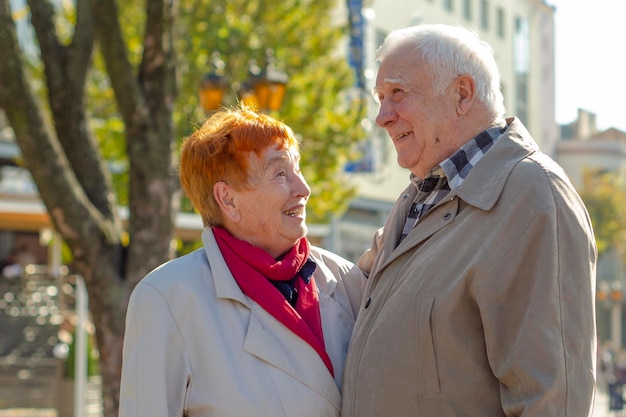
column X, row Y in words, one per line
column 218, row 151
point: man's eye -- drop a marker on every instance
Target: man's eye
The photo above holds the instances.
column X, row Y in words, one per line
column 398, row 94
column 282, row 174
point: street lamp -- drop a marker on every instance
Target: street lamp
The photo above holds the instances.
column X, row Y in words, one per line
column 213, row 85
column 264, row 90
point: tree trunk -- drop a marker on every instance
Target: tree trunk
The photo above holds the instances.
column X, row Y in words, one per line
column 66, row 165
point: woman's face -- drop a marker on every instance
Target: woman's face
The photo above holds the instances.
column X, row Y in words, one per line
column 270, row 212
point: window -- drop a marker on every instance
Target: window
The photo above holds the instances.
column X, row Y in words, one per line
column 521, row 46
column 380, row 38
column 500, row 22
column 521, row 58
column 521, row 92
column 484, row 14
column 467, row 9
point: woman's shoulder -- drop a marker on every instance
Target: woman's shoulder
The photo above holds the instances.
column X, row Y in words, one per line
column 342, row 280
column 175, row 271
column 335, row 267
column 330, row 259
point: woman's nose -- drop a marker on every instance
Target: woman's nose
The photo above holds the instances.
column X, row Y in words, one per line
column 301, row 187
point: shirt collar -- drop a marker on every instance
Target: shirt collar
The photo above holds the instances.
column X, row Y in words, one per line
column 456, row 167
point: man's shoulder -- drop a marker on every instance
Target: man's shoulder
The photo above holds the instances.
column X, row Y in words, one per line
column 539, row 165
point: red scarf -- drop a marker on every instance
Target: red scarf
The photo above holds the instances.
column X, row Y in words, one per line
column 252, row 267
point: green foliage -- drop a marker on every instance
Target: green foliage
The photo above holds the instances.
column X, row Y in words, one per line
column 604, row 194
column 109, row 130
column 93, row 364
column 320, row 104
column 187, row 247
column 308, row 46
column 65, row 20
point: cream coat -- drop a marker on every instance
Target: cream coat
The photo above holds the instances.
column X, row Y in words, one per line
column 195, row 342
column 486, row 309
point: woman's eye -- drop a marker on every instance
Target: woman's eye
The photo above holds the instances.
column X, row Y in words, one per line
column 282, row 174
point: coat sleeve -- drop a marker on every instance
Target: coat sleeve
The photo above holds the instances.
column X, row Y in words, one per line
column 366, row 260
column 351, row 281
column 538, row 312
column 155, row 370
column 354, row 282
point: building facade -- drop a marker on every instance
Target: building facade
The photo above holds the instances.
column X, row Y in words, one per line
column 585, row 150
column 521, row 33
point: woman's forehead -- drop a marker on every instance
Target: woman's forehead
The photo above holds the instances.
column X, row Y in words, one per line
column 274, row 155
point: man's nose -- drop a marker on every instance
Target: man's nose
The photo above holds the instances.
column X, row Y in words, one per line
column 386, row 115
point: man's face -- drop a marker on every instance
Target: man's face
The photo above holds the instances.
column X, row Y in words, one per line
column 418, row 120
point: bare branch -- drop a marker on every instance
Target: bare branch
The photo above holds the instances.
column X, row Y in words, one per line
column 66, row 68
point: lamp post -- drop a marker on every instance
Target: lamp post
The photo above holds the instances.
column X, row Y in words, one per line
column 264, row 90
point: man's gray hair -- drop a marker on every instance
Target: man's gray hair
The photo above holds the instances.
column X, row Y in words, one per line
column 452, row 51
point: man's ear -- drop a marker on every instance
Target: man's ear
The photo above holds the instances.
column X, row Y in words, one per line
column 466, row 89
column 226, row 199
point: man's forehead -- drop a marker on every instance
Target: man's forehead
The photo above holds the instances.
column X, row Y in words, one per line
column 395, row 71
column 395, row 81
column 390, row 82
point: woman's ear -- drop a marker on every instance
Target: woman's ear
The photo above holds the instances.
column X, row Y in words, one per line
column 226, row 198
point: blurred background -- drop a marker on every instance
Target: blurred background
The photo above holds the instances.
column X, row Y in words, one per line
column 96, row 97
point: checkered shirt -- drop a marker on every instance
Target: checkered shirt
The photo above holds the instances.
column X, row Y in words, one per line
column 448, row 175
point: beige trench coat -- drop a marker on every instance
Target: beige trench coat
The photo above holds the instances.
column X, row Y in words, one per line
column 195, row 342
column 486, row 309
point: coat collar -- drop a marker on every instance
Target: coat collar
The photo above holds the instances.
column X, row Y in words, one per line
column 484, row 184
column 267, row 338
column 482, row 189
column 223, row 280
column 226, row 286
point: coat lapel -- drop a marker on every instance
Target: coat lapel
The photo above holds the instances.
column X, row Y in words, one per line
column 438, row 217
column 268, row 339
column 272, row 342
column 481, row 189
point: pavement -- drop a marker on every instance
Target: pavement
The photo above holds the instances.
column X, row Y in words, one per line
column 601, row 406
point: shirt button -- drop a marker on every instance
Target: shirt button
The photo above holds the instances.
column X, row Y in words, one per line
column 447, row 216
column 367, row 303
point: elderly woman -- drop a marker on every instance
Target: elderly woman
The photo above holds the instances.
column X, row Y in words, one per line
column 257, row 322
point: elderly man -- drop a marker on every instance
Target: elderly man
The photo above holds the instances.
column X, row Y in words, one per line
column 480, row 297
